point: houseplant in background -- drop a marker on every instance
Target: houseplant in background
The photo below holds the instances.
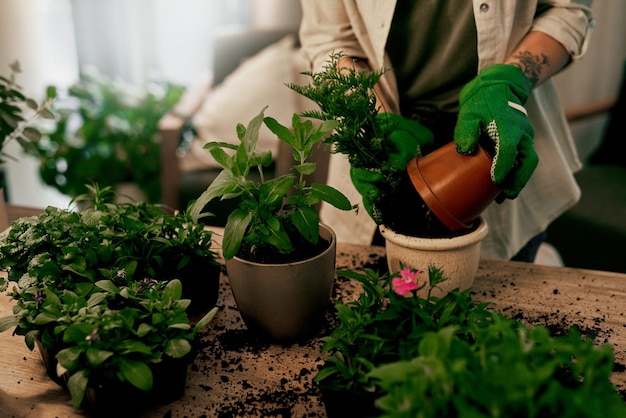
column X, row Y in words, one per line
column 280, row 261
column 56, row 258
column 378, row 146
column 15, row 124
column 395, row 353
column 106, row 133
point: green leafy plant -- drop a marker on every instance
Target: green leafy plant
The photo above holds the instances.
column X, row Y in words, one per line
column 383, row 326
column 505, row 370
column 15, row 124
column 61, row 249
column 346, row 95
column 106, row 133
column 370, row 139
column 277, row 215
column 451, row 356
column 123, row 331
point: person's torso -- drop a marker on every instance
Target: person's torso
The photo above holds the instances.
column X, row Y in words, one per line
column 432, row 46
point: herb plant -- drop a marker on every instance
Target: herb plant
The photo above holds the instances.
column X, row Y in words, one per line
column 276, row 216
column 15, row 124
column 123, row 331
column 384, row 326
column 451, row 356
column 61, row 249
column 364, row 134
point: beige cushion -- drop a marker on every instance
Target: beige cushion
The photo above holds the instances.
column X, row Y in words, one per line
column 258, row 82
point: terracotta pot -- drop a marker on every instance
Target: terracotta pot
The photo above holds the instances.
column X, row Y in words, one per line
column 284, row 302
column 457, row 257
column 456, row 187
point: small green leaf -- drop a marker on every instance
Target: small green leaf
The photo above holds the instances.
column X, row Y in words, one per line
column 204, row 321
column 173, row 290
column 107, row 285
column 77, row 385
column 8, row 322
column 282, row 132
column 136, row 373
column 306, row 168
column 306, row 221
column 96, row 357
column 177, row 348
column 235, row 228
column 223, row 184
column 331, row 195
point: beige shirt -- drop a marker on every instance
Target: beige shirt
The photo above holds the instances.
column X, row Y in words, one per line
column 360, row 28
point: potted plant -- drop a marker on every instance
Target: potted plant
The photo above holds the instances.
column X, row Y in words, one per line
column 128, row 346
column 15, row 124
column 279, row 260
column 377, row 155
column 106, row 133
column 401, row 354
column 62, row 254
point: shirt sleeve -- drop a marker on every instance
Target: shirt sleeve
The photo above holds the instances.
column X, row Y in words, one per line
column 570, row 22
column 326, row 29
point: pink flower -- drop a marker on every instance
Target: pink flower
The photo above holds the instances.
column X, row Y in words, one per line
column 407, row 282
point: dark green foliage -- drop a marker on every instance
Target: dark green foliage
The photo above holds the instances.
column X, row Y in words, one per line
column 452, row 357
column 274, row 215
column 106, row 133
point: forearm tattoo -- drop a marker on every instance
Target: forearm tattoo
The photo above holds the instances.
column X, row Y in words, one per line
column 531, row 64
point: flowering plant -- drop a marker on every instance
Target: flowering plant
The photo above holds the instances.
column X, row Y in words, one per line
column 386, row 323
column 450, row 356
column 407, row 282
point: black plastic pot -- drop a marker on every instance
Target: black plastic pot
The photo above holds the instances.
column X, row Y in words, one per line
column 341, row 403
column 107, row 397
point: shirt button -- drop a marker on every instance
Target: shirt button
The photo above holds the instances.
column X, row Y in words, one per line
column 484, row 8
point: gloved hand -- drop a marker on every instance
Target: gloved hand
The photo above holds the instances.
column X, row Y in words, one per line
column 493, row 104
column 408, row 138
column 367, row 182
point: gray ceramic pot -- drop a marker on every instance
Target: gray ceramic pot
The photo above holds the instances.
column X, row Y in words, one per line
column 284, row 302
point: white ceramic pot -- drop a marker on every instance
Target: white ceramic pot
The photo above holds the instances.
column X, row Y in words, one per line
column 456, row 257
column 284, row 302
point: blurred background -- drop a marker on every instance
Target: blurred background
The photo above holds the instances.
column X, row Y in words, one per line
column 140, row 40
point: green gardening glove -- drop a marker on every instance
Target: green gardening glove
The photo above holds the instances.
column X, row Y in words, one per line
column 367, row 182
column 492, row 104
column 408, row 139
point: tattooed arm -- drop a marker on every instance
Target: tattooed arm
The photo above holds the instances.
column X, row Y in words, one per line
column 539, row 56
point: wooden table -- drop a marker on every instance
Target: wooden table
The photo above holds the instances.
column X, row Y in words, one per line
column 234, row 375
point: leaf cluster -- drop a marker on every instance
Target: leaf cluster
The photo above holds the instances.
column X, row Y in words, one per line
column 106, row 133
column 123, row 331
column 451, row 356
column 15, row 124
column 275, row 213
column 346, row 95
column 91, row 285
column 506, row 370
column 61, row 249
column 383, row 327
